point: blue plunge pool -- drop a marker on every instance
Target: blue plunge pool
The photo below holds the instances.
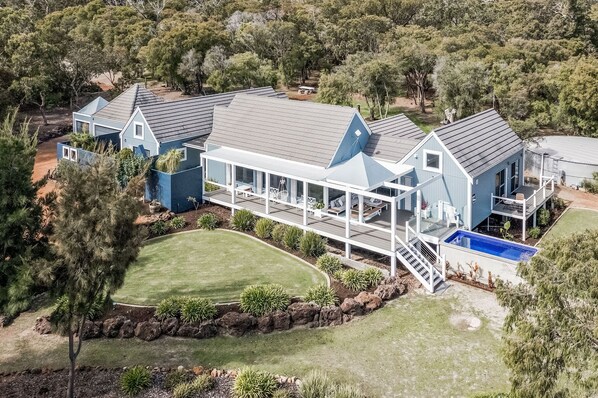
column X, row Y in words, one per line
column 493, row 246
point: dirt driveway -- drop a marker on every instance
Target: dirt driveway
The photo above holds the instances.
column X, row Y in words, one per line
column 578, row 199
column 45, row 160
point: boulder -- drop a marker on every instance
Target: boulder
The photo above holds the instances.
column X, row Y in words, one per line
column 281, row 320
column 236, row 323
column 170, row 326
column 265, row 324
column 92, row 330
column 350, row 306
column 304, row 313
column 149, row 330
column 127, row 330
column 111, row 326
column 369, row 301
column 387, row 292
column 331, row 316
column 196, row 330
column 43, row 325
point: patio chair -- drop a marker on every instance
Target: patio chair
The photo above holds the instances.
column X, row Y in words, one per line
column 452, row 217
column 273, row 193
column 337, row 206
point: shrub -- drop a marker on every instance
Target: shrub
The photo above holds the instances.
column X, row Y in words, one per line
column 264, row 227
column 312, row 244
column 543, row 217
column 125, row 153
column 197, row 309
column 209, row 187
column 208, row 221
column 158, row 228
column 201, row 383
column 315, row 385
column 251, row 383
column 354, row 280
column 175, row 378
column 259, row 300
column 242, row 220
column 178, row 222
column 558, row 203
column 279, row 232
column 292, row 237
column 322, row 295
column 591, row 185
column 134, row 380
column 329, row 263
column 82, row 140
column 534, row 232
column 373, row 276
column 169, row 307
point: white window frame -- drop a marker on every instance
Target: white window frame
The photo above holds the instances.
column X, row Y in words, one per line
column 135, row 124
column 184, row 150
column 66, row 152
column 425, row 160
column 73, row 154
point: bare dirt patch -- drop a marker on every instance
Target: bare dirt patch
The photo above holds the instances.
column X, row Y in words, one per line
column 578, row 199
column 465, row 322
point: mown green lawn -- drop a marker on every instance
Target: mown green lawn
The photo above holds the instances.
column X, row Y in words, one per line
column 574, row 220
column 409, row 348
column 213, row 264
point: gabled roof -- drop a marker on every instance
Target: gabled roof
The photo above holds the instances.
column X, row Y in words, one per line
column 361, row 171
column 122, row 107
column 93, row 106
column 480, row 142
column 191, row 117
column 399, row 126
column 300, row 131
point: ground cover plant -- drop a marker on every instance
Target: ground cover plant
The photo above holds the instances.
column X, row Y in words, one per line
column 260, row 300
column 212, row 265
column 208, row 221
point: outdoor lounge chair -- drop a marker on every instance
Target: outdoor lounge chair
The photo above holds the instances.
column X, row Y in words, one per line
column 452, row 217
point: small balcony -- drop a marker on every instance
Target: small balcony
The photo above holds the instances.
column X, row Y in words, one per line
column 524, row 201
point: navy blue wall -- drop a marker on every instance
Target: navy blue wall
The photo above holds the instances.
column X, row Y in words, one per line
column 172, row 190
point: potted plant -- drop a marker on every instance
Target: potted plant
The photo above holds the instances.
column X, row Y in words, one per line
column 426, row 211
column 155, row 206
column 318, row 207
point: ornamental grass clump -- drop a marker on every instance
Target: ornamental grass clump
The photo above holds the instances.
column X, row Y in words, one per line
column 242, row 220
column 259, row 300
column 278, row 233
column 312, row 244
column 170, row 307
column 354, row 280
column 292, row 237
column 317, row 385
column 373, row 276
column 191, row 389
column 263, row 228
column 176, row 378
column 322, row 295
column 195, row 309
column 208, row 221
column 177, row 222
column 329, row 264
column 134, row 380
column 251, row 383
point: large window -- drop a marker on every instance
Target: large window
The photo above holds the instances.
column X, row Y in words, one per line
column 81, row 127
column 514, row 175
column 499, row 183
column 433, row 161
column 138, row 130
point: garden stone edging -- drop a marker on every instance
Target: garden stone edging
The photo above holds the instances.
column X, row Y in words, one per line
column 299, row 314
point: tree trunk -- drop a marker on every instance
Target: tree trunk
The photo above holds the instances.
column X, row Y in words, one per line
column 199, row 82
column 42, row 105
column 422, row 99
column 73, row 353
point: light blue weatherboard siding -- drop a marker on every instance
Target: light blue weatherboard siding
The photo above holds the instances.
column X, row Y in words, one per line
column 351, row 145
column 452, row 187
column 484, row 184
column 105, row 127
column 128, row 139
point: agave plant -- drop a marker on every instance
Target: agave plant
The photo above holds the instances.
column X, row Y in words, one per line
column 170, row 161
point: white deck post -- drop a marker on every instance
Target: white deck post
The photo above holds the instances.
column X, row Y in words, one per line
column 418, row 212
column 347, row 223
column 305, row 187
column 393, row 236
column 360, row 208
column 534, row 218
column 267, row 193
column 233, row 175
column 326, row 198
column 204, row 173
column 524, row 222
column 294, row 191
column 227, row 176
column 259, row 183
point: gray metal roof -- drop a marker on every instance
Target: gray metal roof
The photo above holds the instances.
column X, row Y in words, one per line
column 197, row 143
column 191, row 117
column 93, row 106
column 122, row 107
column 399, row 125
column 573, row 149
column 300, row 131
column 389, row 147
column 480, row 142
column 361, row 171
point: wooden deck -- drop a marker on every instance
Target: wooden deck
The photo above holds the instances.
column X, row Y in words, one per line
column 369, row 236
column 511, row 208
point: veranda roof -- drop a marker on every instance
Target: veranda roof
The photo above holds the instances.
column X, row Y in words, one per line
column 361, row 171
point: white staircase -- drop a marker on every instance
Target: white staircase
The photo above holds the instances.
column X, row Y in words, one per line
column 421, row 260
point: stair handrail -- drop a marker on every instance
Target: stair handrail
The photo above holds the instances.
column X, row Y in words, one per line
column 440, row 260
column 428, row 266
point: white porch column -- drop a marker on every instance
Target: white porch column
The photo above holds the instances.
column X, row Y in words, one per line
column 233, row 175
column 523, row 222
column 360, row 208
column 204, row 173
column 393, row 236
column 348, row 223
column 259, row 182
column 326, row 198
column 305, row 187
column 227, row 173
column 267, row 193
column 293, row 191
column 418, row 212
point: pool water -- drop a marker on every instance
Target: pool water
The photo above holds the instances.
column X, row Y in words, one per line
column 493, row 246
